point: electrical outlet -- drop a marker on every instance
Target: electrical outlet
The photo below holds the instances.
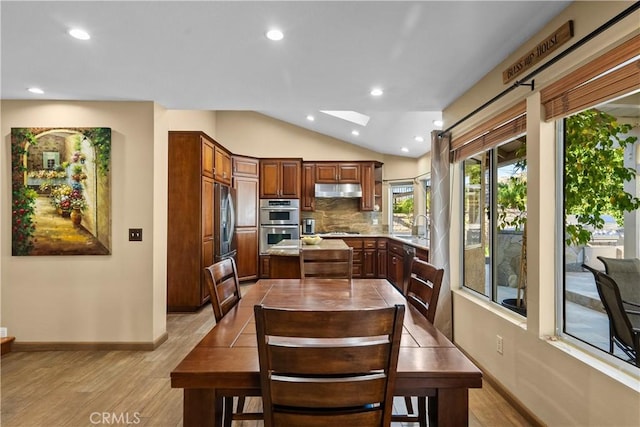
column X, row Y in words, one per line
column 499, row 344
column 135, row 234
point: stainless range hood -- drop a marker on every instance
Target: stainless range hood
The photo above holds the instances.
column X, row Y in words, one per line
column 338, row 191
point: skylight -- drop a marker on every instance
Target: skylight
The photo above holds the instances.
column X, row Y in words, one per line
column 350, row 116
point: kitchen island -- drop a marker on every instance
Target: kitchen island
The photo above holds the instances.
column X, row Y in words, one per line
column 284, row 257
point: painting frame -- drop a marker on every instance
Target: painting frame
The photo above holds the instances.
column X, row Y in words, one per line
column 61, row 191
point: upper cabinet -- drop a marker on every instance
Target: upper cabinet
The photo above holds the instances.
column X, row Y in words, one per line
column 207, row 156
column 280, row 178
column 371, row 186
column 308, row 199
column 222, row 166
column 368, row 174
column 246, row 166
column 339, row 172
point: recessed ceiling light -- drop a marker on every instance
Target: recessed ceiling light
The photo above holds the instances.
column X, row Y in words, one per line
column 376, row 91
column 404, row 149
column 310, row 118
column 438, row 123
column 36, row 90
column 355, row 133
column 79, row 34
column 275, row 35
column 418, row 138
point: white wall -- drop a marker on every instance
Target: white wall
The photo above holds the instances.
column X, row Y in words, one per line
column 557, row 382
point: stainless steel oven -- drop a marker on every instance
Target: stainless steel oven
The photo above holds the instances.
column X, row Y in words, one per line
column 279, row 220
column 279, row 212
column 273, row 234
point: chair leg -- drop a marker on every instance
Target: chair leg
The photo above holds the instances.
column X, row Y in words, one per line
column 228, row 411
column 422, row 411
column 409, row 404
column 432, row 402
column 240, row 405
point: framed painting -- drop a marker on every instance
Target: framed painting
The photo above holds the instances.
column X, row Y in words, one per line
column 61, row 197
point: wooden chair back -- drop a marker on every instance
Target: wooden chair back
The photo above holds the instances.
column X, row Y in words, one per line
column 224, row 287
column 423, row 289
column 326, row 263
column 328, row 368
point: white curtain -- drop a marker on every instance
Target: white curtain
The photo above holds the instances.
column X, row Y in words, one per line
column 440, row 222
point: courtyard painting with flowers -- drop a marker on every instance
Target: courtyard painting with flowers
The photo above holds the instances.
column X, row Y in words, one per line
column 61, row 198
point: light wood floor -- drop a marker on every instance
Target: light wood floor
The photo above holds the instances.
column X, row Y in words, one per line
column 74, row 388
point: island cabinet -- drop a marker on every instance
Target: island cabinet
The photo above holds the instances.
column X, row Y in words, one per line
column 280, row 178
column 190, row 219
column 308, row 198
column 337, row 173
column 246, row 186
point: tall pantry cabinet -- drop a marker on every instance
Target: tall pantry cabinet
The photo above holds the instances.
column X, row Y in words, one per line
column 190, row 219
column 246, row 172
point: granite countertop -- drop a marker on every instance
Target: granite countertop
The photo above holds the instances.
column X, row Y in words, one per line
column 419, row 242
column 293, row 247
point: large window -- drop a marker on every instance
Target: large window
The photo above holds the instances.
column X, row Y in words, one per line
column 494, row 234
column 600, row 163
column 401, row 208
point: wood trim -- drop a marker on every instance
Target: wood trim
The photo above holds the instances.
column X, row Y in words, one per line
column 525, row 412
column 90, row 346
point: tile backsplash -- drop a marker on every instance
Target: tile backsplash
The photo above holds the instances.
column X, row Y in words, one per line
column 344, row 215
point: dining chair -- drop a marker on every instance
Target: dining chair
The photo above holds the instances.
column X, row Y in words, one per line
column 224, row 289
column 624, row 324
column 423, row 291
column 326, row 263
column 328, row 367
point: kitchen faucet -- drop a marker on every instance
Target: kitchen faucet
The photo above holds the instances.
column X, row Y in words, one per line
column 426, row 224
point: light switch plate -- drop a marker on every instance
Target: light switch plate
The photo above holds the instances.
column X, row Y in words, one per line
column 135, row 234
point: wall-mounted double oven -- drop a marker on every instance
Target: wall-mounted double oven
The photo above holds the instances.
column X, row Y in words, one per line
column 279, row 220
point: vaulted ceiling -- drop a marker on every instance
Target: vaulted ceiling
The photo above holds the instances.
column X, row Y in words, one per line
column 213, row 55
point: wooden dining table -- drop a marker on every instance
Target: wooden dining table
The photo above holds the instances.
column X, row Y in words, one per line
column 226, row 359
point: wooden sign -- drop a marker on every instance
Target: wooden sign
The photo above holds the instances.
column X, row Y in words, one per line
column 538, row 53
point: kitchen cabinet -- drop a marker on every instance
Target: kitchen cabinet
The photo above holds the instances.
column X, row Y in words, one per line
column 265, row 267
column 190, row 219
column 208, row 161
column 381, row 254
column 280, row 178
column 246, row 166
column 247, row 253
column 222, row 166
column 371, row 183
column 369, row 258
column 338, row 172
column 308, row 199
column 395, row 263
column 356, row 244
column 246, row 186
